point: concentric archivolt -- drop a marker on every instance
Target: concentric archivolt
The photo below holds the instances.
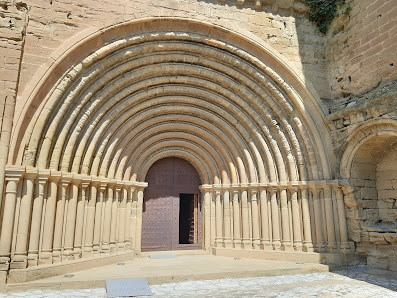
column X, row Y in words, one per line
column 182, row 93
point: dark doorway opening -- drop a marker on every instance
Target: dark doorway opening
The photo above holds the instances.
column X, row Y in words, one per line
column 188, row 209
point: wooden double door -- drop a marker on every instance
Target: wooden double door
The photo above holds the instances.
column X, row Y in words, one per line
column 171, row 217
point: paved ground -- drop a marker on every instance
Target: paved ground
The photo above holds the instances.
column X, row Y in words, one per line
column 182, row 268
column 355, row 282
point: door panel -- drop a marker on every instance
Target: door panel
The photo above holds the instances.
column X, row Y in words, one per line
column 167, row 179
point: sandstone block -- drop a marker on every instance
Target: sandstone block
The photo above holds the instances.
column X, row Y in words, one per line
column 375, row 261
column 391, row 238
column 377, row 238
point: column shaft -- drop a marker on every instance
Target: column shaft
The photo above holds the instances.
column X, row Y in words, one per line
column 121, row 226
column 236, row 220
column 265, row 239
column 286, row 237
column 33, row 253
column 296, row 220
column 275, row 220
column 8, row 221
column 49, row 221
column 89, row 230
column 113, row 225
column 246, row 241
column 107, row 220
column 127, row 225
column 207, row 219
column 255, row 220
column 20, row 259
column 219, row 219
column 318, row 220
column 96, row 245
column 307, row 233
column 331, row 240
column 71, row 221
column 78, row 237
column 342, row 219
column 134, row 206
column 138, row 238
column 227, row 219
column 59, row 220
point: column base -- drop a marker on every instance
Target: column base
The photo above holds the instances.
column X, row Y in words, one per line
column 87, row 254
column 68, row 254
column 32, row 260
column 4, row 263
column 276, row 245
column 298, row 246
column 320, row 249
column 56, row 256
column 228, row 243
column 45, row 258
column 3, row 280
column 218, row 243
column 237, row 243
column 308, row 248
column 256, row 244
column 286, row 246
column 266, row 246
column 246, row 244
column 19, row 264
column 332, row 247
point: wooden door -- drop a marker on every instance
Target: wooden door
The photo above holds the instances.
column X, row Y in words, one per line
column 169, row 179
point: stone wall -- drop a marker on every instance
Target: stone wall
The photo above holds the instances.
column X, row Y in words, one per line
column 361, row 48
column 285, row 27
column 13, row 22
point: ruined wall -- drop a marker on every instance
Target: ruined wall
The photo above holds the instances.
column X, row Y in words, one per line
column 361, row 48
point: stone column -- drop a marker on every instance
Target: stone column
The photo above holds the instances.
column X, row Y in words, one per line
column 286, row 237
column 107, row 221
column 236, row 218
column 90, row 222
column 96, row 246
column 128, row 209
column 122, row 222
column 212, row 217
column 59, row 218
column 296, row 219
column 70, row 226
column 13, row 178
column 227, row 218
column 218, row 219
column 20, row 259
column 49, row 219
column 307, row 233
column 329, row 216
column 246, row 241
column 138, row 237
column 342, row 219
column 275, row 219
column 318, row 220
column 33, row 252
column 115, row 219
column 205, row 192
column 78, row 236
column 134, row 204
column 256, row 243
column 265, row 237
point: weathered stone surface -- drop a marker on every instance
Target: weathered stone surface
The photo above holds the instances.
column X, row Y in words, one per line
column 277, row 119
